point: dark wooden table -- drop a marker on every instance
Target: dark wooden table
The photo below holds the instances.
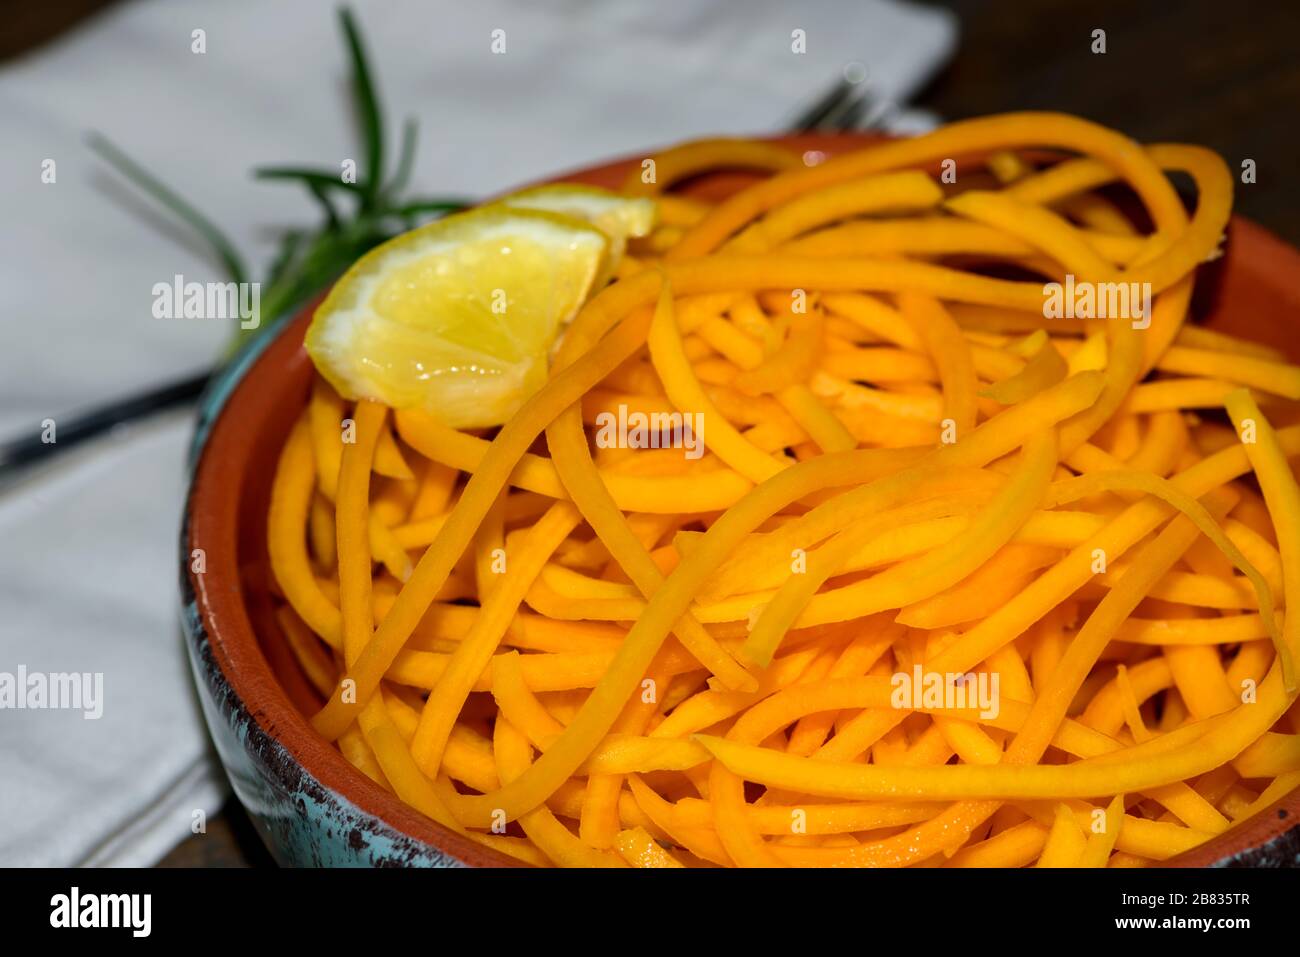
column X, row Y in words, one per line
column 1222, row 74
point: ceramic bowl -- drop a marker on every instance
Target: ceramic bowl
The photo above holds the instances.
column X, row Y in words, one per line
column 309, row 804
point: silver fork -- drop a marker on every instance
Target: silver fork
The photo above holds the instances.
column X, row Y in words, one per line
column 846, row 106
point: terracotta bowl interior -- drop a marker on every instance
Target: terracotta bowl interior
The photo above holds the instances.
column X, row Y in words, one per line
column 1253, row 291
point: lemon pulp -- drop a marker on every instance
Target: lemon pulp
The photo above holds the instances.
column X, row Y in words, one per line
column 457, row 317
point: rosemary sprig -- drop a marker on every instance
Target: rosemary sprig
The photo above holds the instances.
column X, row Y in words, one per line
column 303, row 174
column 372, row 123
column 356, row 216
column 142, row 178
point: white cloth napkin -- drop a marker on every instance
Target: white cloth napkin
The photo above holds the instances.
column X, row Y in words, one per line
column 88, row 550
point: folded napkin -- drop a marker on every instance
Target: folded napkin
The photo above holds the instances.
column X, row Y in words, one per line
column 88, row 562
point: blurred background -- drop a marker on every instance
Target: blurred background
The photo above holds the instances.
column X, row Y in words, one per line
column 200, row 93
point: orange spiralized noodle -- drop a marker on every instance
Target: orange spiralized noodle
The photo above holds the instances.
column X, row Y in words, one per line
column 950, row 583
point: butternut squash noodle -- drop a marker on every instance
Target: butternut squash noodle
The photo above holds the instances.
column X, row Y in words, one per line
column 606, row 657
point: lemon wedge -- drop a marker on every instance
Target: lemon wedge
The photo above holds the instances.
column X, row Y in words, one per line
column 618, row 217
column 457, row 317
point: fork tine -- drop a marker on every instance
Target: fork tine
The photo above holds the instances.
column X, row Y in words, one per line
column 847, row 115
column 829, row 102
